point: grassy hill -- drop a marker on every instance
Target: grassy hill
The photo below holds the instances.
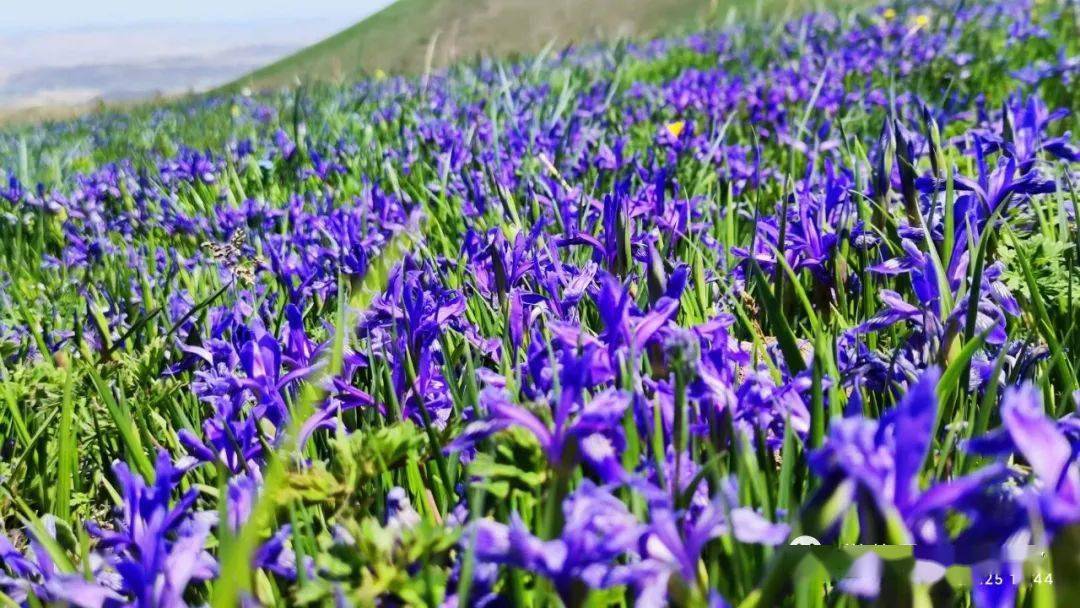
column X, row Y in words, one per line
column 409, row 34
column 403, row 36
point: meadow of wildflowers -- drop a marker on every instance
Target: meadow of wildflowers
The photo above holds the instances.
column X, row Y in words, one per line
column 605, row 327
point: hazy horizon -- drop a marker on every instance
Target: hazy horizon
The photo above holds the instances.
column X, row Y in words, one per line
column 76, row 57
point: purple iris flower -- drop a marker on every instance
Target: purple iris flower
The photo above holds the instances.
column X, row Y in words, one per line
column 598, row 531
column 157, row 546
column 814, row 217
column 680, row 537
column 995, row 299
column 1006, row 183
column 231, row 437
column 299, row 350
column 285, row 145
column 583, row 427
column 896, row 310
column 672, row 544
column 260, row 359
column 1048, row 446
column 876, row 464
column 14, row 193
column 405, row 325
column 189, row 166
column 1049, row 449
column 34, row 574
column 1023, row 133
column 624, row 325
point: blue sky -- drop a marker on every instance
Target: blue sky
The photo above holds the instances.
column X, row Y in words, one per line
column 72, row 14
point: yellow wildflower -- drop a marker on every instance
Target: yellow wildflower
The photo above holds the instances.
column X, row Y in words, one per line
column 676, row 128
column 922, row 21
column 889, row 14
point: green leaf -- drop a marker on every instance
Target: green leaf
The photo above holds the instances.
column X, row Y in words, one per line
column 125, row 423
column 1065, row 553
column 67, row 450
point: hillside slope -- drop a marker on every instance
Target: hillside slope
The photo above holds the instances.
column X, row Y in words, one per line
column 400, row 37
